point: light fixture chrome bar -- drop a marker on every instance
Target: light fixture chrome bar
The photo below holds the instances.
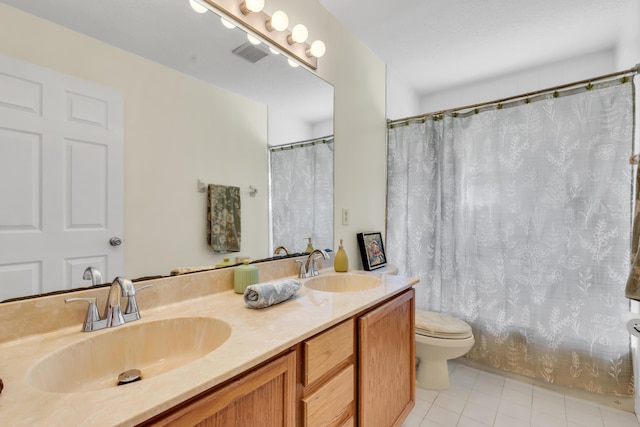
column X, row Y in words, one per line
column 256, row 23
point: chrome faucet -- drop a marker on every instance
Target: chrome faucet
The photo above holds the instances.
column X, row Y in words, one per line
column 113, row 315
column 93, row 274
column 281, row 249
column 113, row 311
column 309, row 268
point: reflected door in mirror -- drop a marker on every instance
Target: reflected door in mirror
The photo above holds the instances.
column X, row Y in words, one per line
column 61, row 175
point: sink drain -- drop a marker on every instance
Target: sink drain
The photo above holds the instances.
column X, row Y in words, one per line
column 130, row 376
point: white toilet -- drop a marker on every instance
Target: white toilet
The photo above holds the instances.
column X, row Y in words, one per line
column 439, row 337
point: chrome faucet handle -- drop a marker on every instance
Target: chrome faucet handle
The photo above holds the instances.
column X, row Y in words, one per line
column 303, row 271
column 92, row 321
column 313, row 269
column 132, row 312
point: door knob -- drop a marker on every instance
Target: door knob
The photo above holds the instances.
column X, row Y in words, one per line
column 115, row 241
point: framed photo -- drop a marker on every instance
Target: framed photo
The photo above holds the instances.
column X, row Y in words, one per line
column 372, row 250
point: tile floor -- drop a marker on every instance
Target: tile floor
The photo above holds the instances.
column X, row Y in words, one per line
column 481, row 399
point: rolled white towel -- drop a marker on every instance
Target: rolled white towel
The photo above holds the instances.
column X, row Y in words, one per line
column 267, row 294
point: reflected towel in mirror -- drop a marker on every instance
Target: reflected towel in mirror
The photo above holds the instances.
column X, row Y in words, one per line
column 223, row 218
column 266, row 294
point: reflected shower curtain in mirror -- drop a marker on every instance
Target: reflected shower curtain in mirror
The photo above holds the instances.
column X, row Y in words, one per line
column 302, row 195
column 516, row 218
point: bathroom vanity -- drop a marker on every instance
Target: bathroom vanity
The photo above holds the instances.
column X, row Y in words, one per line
column 314, row 383
column 323, row 358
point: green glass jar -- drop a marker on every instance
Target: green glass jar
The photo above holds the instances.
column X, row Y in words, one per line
column 243, row 276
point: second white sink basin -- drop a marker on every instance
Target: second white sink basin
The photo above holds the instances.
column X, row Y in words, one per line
column 343, row 283
column 98, row 358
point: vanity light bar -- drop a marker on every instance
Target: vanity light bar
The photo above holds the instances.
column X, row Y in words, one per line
column 261, row 24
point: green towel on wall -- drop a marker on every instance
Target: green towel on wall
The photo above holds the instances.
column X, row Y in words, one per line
column 223, row 218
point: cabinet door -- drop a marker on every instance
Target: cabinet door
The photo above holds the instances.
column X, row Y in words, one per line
column 386, row 365
column 264, row 397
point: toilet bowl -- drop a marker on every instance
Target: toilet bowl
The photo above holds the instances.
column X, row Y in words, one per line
column 439, row 337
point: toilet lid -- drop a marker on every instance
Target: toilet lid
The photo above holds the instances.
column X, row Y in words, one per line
column 438, row 325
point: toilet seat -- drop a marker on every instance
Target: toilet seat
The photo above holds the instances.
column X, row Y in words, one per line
column 439, row 325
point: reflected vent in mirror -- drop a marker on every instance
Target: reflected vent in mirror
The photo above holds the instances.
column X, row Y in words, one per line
column 250, row 52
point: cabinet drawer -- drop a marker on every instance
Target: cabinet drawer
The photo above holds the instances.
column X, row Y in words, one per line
column 327, row 404
column 325, row 351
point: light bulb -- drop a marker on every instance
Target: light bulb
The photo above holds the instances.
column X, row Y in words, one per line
column 299, row 34
column 317, row 49
column 249, row 6
column 293, row 63
column 253, row 40
column 272, row 50
column 197, row 6
column 227, row 24
column 279, row 21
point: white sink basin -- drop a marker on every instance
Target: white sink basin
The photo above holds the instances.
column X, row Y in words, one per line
column 98, row 358
column 343, row 283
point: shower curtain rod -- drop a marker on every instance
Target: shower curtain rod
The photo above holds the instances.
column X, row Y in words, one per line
column 299, row 144
column 632, row 70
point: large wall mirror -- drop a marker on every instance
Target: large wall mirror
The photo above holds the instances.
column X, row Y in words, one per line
column 298, row 106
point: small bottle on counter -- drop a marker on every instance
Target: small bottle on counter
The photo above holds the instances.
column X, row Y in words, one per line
column 225, row 263
column 341, row 262
column 243, row 276
column 309, row 245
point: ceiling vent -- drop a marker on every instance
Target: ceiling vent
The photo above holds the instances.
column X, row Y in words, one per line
column 251, row 53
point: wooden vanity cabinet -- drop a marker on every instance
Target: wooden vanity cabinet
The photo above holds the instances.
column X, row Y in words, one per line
column 361, row 370
column 328, row 378
column 386, row 362
column 379, row 356
column 264, row 397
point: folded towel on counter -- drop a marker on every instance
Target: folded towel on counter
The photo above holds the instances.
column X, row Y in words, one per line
column 223, row 218
column 267, row 294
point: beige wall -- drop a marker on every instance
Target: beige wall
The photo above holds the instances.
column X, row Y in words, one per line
column 179, row 129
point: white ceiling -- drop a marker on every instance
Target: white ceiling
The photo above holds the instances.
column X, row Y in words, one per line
column 430, row 45
column 433, row 45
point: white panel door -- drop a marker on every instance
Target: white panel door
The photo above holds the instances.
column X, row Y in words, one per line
column 61, row 179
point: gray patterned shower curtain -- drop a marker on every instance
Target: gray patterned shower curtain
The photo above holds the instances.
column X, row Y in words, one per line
column 516, row 218
column 302, row 195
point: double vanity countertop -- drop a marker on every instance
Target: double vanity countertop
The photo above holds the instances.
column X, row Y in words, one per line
column 256, row 336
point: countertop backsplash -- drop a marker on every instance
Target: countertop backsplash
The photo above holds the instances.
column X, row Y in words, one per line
column 45, row 314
